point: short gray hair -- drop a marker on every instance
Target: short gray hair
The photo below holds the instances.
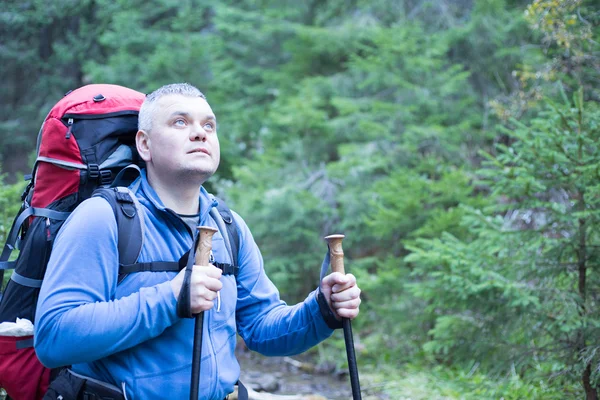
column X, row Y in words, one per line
column 148, row 106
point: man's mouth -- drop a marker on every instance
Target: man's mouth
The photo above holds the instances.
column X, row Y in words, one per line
column 200, row 150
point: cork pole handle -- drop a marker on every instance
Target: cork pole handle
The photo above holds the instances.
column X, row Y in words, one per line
column 336, row 252
column 204, row 244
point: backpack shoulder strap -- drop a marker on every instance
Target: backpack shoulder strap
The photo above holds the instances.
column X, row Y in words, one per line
column 232, row 239
column 130, row 223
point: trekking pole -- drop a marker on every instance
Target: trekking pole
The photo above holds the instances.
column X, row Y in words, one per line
column 202, row 257
column 336, row 254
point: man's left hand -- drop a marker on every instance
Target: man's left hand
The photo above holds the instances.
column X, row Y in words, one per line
column 342, row 294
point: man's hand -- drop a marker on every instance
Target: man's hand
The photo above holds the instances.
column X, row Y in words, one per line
column 342, row 294
column 204, row 285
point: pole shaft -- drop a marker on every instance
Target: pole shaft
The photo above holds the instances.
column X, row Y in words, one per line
column 202, row 257
column 352, row 366
column 197, row 356
column 336, row 255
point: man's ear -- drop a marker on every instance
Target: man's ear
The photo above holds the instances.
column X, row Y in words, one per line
column 142, row 142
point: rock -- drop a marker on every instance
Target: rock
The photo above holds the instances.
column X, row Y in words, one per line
column 268, row 383
column 254, row 395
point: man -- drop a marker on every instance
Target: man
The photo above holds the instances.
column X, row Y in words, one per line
column 127, row 333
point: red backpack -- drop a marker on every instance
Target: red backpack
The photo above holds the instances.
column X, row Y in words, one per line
column 87, row 141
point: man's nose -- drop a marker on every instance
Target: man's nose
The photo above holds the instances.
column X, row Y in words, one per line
column 197, row 132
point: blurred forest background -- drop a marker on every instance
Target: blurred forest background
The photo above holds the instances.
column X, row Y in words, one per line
column 455, row 143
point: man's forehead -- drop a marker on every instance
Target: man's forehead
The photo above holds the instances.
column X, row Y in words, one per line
column 180, row 104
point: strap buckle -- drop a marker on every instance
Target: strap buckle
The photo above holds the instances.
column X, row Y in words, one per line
column 93, row 171
column 228, row 269
column 105, row 177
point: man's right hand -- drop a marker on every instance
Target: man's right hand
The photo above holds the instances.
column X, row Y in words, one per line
column 204, row 285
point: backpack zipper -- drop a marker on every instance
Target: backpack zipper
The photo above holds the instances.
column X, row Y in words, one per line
column 70, row 125
column 71, row 118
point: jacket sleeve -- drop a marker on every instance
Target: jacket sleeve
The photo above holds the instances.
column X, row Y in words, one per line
column 78, row 318
column 264, row 321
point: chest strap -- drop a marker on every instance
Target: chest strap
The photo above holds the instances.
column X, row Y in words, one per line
column 172, row 266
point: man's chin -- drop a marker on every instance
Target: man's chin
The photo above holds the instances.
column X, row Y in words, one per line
column 196, row 174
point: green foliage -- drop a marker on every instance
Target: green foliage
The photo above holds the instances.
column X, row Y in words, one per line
column 567, row 32
column 373, row 118
column 421, row 382
column 526, row 281
column 49, row 42
column 10, row 202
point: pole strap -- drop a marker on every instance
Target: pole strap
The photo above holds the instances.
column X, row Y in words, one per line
column 325, row 265
column 184, row 305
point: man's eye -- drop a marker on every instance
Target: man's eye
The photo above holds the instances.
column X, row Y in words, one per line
column 209, row 126
column 179, row 122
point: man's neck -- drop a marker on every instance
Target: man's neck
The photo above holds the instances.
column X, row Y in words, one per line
column 181, row 197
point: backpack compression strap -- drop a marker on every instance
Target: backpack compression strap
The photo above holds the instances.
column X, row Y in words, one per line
column 11, row 241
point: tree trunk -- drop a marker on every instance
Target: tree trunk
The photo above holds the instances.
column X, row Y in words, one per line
column 581, row 262
column 591, row 393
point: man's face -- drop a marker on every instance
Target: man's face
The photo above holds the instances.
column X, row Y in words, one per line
column 183, row 142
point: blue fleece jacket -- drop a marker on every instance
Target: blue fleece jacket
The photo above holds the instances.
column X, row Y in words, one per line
column 129, row 332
